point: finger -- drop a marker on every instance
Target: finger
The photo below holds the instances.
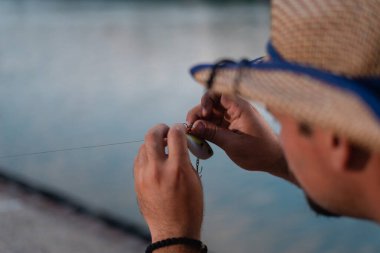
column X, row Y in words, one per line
column 209, row 102
column 139, row 162
column 194, row 114
column 177, row 144
column 215, row 97
column 229, row 102
column 211, row 132
column 141, row 158
column 155, row 142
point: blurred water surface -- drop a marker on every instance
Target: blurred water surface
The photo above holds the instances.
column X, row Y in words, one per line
column 76, row 73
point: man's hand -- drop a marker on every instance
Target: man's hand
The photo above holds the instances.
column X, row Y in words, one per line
column 237, row 127
column 169, row 191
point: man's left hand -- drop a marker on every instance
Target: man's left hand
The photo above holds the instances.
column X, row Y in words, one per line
column 169, row 191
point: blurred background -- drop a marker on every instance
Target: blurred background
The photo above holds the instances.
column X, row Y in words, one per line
column 78, row 73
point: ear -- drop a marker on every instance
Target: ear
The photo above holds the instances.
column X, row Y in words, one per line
column 334, row 149
column 339, row 149
column 343, row 155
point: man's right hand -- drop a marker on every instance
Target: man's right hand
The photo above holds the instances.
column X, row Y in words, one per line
column 238, row 128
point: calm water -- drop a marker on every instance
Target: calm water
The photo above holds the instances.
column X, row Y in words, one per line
column 78, row 73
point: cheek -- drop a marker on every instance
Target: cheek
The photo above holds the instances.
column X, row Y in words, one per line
column 298, row 165
column 302, row 161
column 291, row 153
column 289, row 144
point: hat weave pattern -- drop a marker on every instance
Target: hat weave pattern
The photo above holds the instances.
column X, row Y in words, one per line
column 340, row 36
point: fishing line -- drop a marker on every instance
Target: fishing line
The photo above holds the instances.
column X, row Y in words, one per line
column 68, row 149
column 82, row 148
column 198, row 168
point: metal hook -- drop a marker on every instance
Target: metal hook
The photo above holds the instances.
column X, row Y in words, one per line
column 199, row 171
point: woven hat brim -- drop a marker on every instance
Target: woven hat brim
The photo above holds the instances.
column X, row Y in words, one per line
column 307, row 99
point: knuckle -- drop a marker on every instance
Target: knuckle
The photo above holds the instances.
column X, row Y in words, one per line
column 161, row 126
column 189, row 116
column 149, row 136
column 139, row 182
column 205, row 99
column 153, row 177
column 194, row 114
column 191, row 113
column 155, row 132
column 210, row 131
column 176, row 174
column 177, row 130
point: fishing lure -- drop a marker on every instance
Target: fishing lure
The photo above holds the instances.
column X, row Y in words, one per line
column 198, row 147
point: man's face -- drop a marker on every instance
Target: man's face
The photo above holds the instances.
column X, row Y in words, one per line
column 308, row 165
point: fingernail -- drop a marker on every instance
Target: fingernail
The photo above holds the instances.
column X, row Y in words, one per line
column 199, row 128
column 180, row 127
column 204, row 111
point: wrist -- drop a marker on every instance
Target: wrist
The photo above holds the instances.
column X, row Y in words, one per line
column 162, row 234
column 160, row 237
column 177, row 244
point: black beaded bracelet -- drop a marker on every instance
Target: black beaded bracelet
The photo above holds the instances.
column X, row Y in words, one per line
column 196, row 244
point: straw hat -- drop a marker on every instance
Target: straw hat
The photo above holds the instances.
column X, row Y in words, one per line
column 322, row 67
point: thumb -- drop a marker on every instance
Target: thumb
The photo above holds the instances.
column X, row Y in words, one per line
column 211, row 132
